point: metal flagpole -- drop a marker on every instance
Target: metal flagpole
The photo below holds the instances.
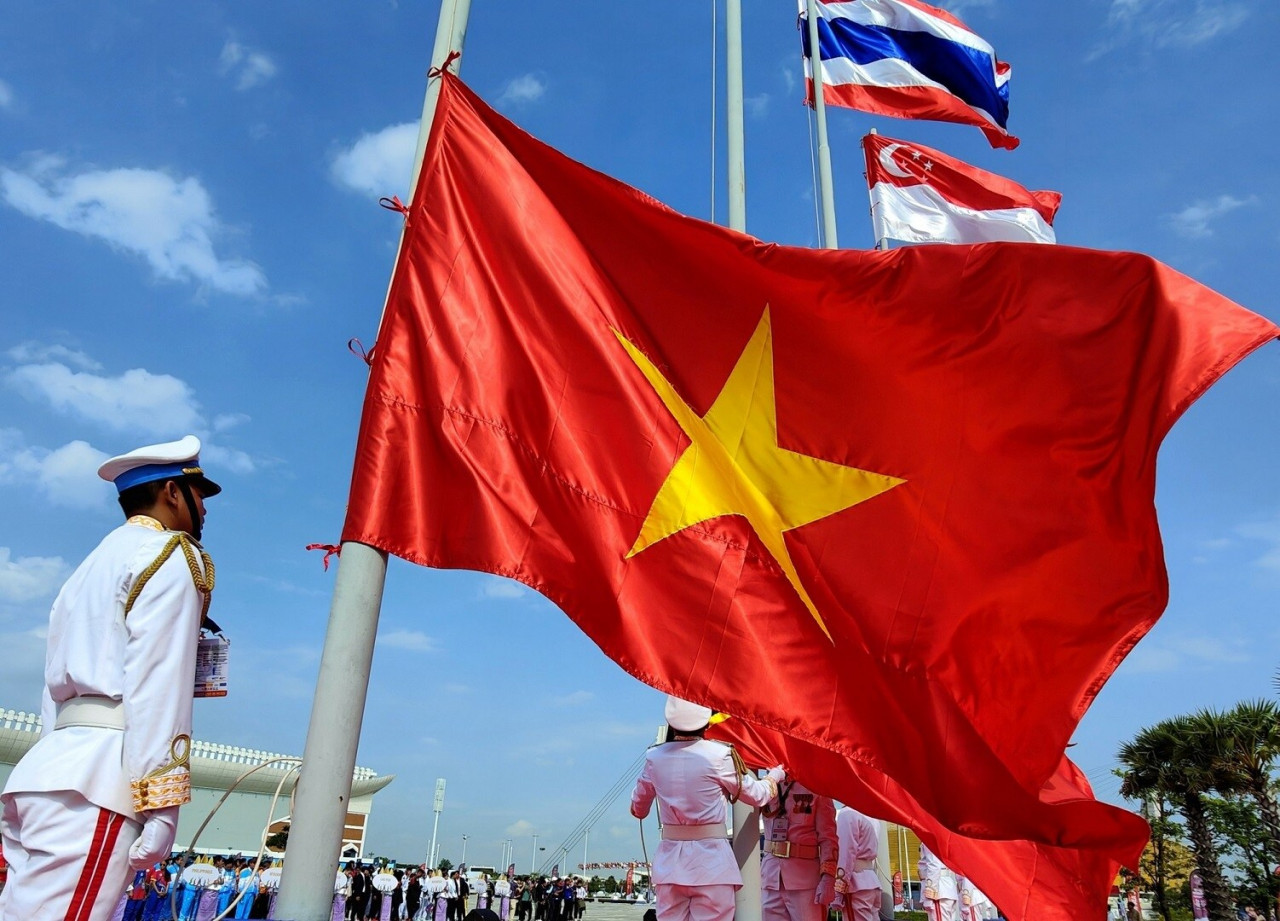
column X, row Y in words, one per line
column 337, row 711
column 746, row 820
column 826, row 192
column 882, row 243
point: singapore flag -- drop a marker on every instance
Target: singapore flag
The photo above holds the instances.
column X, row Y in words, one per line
column 919, row 195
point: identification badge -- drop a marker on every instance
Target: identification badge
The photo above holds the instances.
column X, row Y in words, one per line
column 212, row 655
column 778, row 831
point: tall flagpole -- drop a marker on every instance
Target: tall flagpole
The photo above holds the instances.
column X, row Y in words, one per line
column 337, row 712
column 746, row 820
column 882, row 243
column 826, row 192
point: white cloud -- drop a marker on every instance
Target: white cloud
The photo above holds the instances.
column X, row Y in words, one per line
column 1168, row 23
column 135, row 401
column 247, row 66
column 412, row 640
column 29, row 578
column 6, row 95
column 224, row 421
column 1193, row 221
column 34, row 352
column 22, row 677
column 217, row 457
column 380, row 163
column 1188, row 653
column 520, row 828
column 498, row 587
column 170, row 222
column 756, row 106
column 68, row 476
column 522, row 90
column 572, row 699
column 1267, row 533
column 156, row 406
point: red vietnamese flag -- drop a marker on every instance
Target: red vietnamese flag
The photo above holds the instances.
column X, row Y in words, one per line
column 791, row 483
column 1025, row 879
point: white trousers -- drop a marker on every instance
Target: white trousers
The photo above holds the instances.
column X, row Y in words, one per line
column 695, row 903
column 68, row 859
column 790, row 905
column 934, row 909
column 862, row 905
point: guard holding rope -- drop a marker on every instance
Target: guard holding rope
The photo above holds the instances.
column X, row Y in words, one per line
column 99, row 793
column 694, row 871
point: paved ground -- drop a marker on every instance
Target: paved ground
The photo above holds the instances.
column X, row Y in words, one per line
column 614, row 911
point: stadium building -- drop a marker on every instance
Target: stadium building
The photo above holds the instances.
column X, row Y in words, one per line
column 239, row 824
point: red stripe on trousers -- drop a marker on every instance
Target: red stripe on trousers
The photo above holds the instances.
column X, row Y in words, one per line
column 95, row 865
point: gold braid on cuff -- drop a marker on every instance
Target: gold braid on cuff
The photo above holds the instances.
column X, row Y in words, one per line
column 168, row 785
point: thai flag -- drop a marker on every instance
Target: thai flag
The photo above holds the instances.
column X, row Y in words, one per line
column 920, row 195
column 907, row 59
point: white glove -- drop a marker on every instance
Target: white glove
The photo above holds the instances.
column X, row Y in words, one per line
column 777, row 774
column 825, row 892
column 155, row 843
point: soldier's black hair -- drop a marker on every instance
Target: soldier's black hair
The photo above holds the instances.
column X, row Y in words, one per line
column 139, row 499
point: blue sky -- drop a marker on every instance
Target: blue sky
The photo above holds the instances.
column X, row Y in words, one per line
column 190, row 233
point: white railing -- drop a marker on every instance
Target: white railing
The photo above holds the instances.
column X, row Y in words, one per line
column 21, row 721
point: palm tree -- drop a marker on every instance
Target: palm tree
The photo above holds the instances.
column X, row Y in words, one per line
column 1180, row 758
column 1254, row 731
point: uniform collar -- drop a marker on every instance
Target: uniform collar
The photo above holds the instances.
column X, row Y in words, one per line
column 146, row 521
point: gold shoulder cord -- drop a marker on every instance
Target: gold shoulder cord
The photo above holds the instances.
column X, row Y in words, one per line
column 203, row 580
column 740, row 767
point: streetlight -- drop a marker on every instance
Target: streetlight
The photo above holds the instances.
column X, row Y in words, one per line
column 464, row 850
column 533, row 864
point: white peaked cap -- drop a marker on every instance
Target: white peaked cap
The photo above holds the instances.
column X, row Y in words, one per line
column 684, row 716
column 162, row 461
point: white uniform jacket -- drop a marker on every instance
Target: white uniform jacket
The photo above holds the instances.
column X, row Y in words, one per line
column 691, row 781
column 801, row 820
column 124, row 627
column 935, row 877
column 859, row 846
column 971, row 895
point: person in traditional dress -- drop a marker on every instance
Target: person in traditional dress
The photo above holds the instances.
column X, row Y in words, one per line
column 99, row 792
column 938, row 888
column 502, row 895
column 247, row 887
column 800, row 853
column 694, row 870
column 859, row 839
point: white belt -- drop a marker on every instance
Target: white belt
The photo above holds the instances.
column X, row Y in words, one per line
column 98, row 712
column 693, row 832
column 864, row 863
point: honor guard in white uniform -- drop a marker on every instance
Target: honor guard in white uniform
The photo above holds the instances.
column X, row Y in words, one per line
column 99, row 792
column 859, row 837
column 694, row 871
column 800, row 853
column 938, row 886
column 973, row 902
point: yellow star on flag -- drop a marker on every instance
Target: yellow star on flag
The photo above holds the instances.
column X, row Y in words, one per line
column 734, row 466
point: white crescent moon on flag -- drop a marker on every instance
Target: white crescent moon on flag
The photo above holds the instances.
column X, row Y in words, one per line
column 890, row 167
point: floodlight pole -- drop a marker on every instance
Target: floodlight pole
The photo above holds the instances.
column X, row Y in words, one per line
column 337, row 711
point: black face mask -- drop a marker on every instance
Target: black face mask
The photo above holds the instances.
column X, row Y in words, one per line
column 196, row 524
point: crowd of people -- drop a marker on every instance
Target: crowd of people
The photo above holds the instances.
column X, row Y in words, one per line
column 421, row 894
